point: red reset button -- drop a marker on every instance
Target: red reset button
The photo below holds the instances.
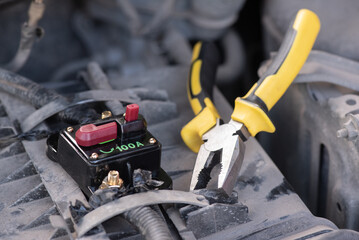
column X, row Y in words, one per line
column 90, row 134
column 131, row 112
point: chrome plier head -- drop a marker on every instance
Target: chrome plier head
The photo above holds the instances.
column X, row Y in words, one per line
column 223, row 146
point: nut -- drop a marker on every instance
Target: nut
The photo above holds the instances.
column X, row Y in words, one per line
column 94, row 156
column 152, row 141
column 69, row 129
column 106, row 114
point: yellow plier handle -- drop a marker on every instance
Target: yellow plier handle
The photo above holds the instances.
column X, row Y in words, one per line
column 252, row 109
column 205, row 60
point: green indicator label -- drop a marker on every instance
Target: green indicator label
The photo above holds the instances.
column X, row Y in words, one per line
column 124, row 147
column 107, row 152
column 107, row 141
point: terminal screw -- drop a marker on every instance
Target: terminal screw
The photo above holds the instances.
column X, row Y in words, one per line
column 94, row 156
column 106, row 114
column 69, row 129
column 152, row 141
column 112, row 180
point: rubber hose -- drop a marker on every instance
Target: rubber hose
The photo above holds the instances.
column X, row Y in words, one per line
column 26, row 89
column 39, row 96
column 149, row 223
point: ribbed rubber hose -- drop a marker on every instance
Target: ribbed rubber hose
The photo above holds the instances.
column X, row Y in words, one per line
column 149, row 223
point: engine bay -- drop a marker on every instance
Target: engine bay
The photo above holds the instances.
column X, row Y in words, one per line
column 132, row 119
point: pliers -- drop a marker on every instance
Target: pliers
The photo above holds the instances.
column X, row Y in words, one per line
column 222, row 145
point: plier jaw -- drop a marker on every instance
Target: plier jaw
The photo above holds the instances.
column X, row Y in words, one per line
column 223, row 147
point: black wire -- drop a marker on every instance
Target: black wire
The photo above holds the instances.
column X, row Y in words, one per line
column 33, row 135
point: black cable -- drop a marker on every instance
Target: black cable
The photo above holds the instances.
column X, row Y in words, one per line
column 26, row 89
column 28, row 136
column 38, row 96
column 149, row 223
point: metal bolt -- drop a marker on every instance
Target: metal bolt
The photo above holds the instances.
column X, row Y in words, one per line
column 106, row 114
column 69, row 129
column 350, row 129
column 94, row 156
column 113, row 178
column 152, row 141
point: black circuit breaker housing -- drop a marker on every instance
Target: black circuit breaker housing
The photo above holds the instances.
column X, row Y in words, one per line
column 134, row 148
